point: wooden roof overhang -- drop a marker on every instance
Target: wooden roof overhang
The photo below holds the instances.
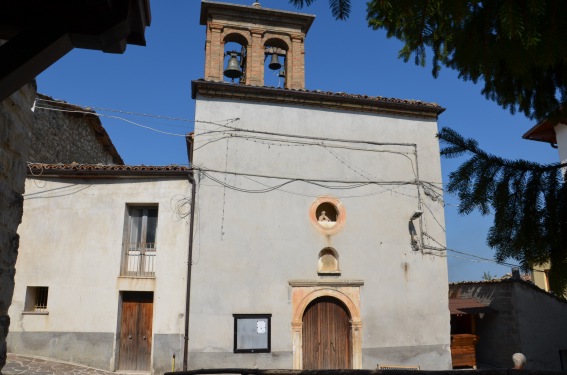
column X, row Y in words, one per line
column 319, row 99
column 544, row 131
column 39, row 32
column 468, row 306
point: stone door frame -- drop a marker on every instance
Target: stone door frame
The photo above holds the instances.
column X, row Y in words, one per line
column 303, row 292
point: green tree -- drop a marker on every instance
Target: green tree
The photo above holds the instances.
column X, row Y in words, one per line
column 528, row 200
column 339, row 8
column 515, row 47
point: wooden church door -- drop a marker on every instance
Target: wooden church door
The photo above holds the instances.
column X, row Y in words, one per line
column 326, row 335
column 136, row 331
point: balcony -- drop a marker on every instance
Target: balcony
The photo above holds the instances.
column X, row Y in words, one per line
column 138, row 259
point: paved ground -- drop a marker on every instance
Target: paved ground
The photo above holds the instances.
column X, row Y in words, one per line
column 20, row 365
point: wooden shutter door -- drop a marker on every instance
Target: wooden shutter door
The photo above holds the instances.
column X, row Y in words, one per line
column 136, row 331
column 326, row 335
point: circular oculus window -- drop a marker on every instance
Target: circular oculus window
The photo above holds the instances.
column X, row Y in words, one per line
column 327, row 214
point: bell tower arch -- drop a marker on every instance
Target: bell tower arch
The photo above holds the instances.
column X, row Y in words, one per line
column 266, row 32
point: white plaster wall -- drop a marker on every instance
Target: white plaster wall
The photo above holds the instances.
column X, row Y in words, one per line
column 249, row 246
column 70, row 241
column 561, row 136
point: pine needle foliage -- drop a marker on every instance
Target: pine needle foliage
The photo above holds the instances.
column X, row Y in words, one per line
column 339, row 8
column 528, row 200
column 516, row 48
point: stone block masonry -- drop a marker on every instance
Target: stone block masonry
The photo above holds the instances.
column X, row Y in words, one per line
column 16, row 122
column 66, row 134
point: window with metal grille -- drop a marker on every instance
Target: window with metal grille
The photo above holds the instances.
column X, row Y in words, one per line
column 36, row 299
column 139, row 248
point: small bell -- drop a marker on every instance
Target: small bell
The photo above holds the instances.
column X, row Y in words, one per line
column 233, row 67
column 275, row 62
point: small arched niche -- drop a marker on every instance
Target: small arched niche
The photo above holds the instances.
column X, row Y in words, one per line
column 328, row 262
column 235, row 46
column 275, row 51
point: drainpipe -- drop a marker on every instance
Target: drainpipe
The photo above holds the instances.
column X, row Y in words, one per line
column 191, row 179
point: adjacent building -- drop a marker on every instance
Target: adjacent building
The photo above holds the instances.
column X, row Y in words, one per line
column 102, row 266
column 514, row 316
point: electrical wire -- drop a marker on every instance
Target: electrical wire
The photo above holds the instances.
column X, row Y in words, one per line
column 90, row 108
column 119, row 118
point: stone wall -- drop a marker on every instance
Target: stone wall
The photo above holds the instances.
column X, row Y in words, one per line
column 526, row 319
column 66, row 133
column 499, row 333
column 16, row 121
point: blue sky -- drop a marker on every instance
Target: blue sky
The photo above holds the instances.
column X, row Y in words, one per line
column 342, row 56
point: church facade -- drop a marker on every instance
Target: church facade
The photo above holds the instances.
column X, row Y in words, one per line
column 319, row 226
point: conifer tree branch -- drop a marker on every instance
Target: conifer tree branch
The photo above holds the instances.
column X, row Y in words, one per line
column 528, row 200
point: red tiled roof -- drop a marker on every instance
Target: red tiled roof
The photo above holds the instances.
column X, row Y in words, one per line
column 39, row 169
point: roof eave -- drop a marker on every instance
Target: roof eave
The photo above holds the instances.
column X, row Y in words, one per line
column 39, row 171
column 207, row 6
column 543, row 131
column 315, row 99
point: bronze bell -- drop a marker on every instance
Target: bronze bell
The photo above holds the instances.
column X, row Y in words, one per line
column 233, row 67
column 275, row 62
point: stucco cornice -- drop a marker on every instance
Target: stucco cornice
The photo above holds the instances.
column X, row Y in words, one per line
column 319, row 99
column 244, row 13
column 332, row 282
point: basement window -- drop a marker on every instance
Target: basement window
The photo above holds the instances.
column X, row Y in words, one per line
column 252, row 333
column 36, row 300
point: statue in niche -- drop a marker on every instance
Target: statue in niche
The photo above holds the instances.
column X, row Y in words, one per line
column 323, row 217
column 324, row 220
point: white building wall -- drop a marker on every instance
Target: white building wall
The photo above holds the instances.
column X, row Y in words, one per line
column 561, row 136
column 71, row 241
column 249, row 246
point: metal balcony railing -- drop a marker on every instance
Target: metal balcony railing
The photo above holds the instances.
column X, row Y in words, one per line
column 138, row 259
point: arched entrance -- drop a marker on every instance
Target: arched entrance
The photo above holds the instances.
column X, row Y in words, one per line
column 326, row 335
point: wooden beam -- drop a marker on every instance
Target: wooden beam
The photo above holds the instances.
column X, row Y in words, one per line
column 28, row 54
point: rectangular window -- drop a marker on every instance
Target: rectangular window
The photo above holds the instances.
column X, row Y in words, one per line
column 36, row 299
column 252, row 333
column 139, row 248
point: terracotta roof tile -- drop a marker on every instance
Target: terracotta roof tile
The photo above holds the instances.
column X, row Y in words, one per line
column 329, row 94
column 76, row 169
column 103, row 167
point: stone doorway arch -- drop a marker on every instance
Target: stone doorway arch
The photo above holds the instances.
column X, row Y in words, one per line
column 305, row 292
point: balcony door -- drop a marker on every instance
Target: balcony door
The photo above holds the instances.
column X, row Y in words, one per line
column 139, row 249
